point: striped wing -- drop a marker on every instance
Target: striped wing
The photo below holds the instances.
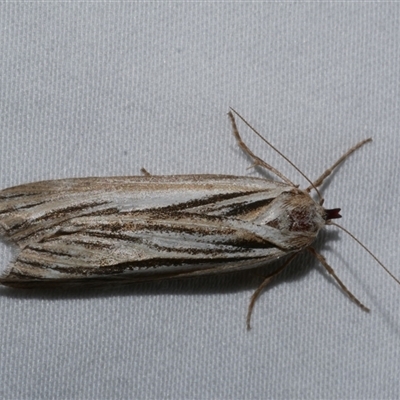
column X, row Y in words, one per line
column 139, row 228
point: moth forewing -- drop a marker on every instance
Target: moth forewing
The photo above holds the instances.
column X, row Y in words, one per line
column 68, row 229
column 139, row 228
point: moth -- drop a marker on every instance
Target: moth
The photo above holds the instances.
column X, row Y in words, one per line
column 141, row 228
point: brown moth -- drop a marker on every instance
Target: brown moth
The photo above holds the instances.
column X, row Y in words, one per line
column 140, row 228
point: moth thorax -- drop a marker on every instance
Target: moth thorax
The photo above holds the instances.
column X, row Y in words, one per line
column 303, row 213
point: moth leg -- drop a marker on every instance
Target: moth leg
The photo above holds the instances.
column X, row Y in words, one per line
column 265, row 282
column 320, row 180
column 256, row 160
column 331, row 272
column 145, row 172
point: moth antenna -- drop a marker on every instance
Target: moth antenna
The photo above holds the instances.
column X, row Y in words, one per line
column 280, row 153
column 321, row 179
column 366, row 249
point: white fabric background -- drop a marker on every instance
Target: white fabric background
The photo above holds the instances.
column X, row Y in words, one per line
column 108, row 88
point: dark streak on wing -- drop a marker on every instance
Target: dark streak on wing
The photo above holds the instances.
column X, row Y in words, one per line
column 213, row 199
column 69, row 211
column 25, row 229
column 25, row 207
column 130, row 272
column 19, row 280
column 144, row 265
column 246, row 208
column 241, row 244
